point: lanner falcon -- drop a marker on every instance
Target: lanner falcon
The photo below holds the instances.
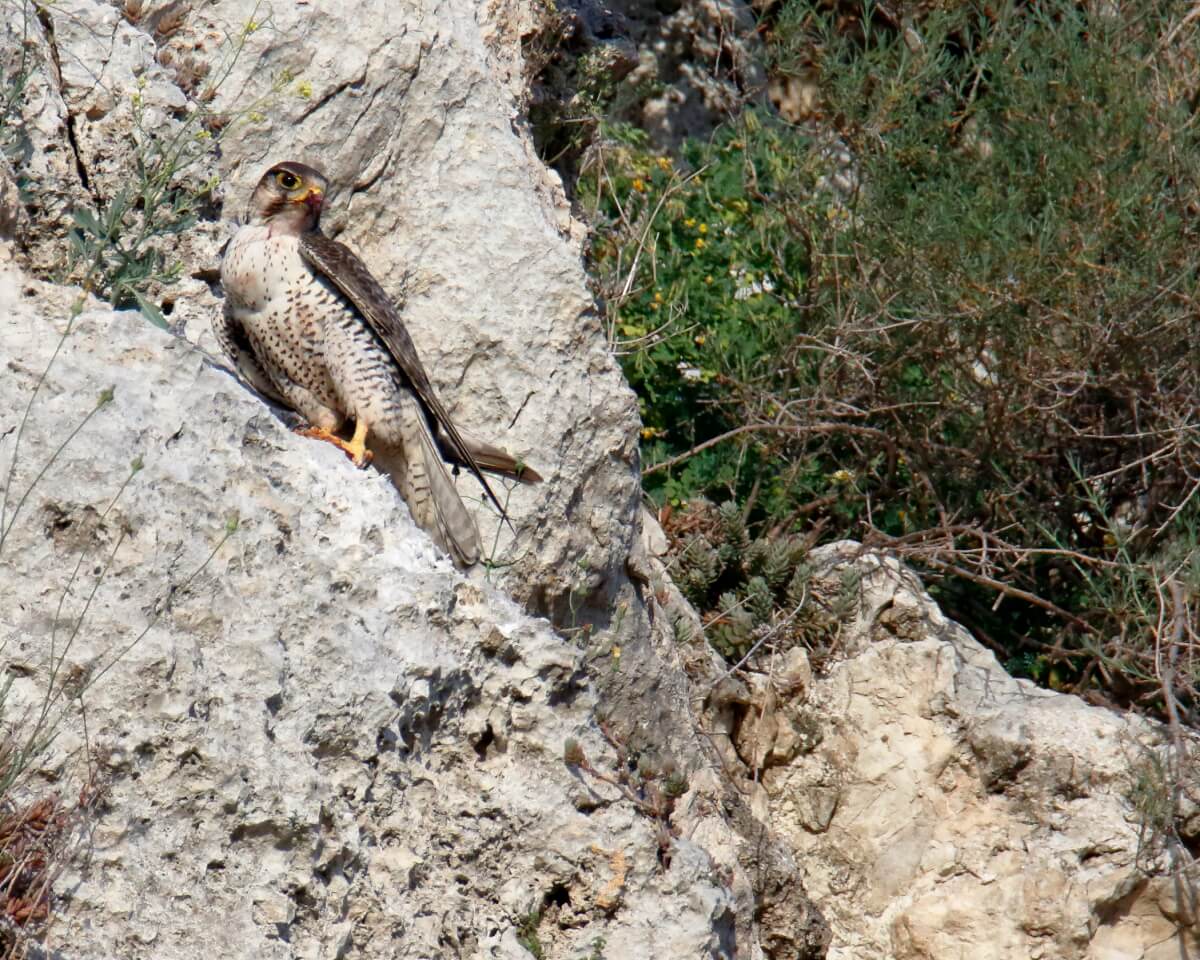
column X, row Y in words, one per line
column 309, row 327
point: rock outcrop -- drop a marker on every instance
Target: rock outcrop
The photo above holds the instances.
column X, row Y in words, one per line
column 317, row 739
column 943, row 809
column 327, row 742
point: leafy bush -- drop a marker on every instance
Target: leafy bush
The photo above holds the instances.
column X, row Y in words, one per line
column 955, row 319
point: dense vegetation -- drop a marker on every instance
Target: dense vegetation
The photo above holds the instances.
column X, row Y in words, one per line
column 952, row 314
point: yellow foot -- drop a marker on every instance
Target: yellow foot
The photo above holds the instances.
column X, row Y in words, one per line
column 355, row 448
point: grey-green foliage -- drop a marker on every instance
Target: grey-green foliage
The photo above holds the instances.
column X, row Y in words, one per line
column 745, row 584
column 736, row 544
column 123, row 246
column 527, row 934
column 16, row 65
column 699, row 566
column 733, row 630
column 117, row 242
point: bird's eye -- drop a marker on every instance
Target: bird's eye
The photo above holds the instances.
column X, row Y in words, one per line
column 289, row 181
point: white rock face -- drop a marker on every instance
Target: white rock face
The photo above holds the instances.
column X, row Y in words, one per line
column 320, row 740
column 409, row 108
column 942, row 809
column 418, row 135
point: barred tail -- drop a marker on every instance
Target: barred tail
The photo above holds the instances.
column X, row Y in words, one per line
column 417, row 470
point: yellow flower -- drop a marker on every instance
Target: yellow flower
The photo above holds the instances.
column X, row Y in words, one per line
column 639, row 185
column 842, row 476
column 304, row 88
column 616, row 651
column 252, row 25
column 657, row 297
column 689, row 222
column 703, row 228
column 699, row 340
column 700, row 244
column 664, row 164
column 708, row 278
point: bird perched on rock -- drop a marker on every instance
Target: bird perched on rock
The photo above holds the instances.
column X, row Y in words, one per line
column 309, row 327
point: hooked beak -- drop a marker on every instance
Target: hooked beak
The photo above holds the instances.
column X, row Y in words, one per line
column 313, row 199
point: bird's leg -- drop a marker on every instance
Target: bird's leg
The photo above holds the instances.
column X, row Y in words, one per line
column 355, row 448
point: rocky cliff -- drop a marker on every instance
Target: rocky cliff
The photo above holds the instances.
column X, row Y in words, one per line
column 317, row 739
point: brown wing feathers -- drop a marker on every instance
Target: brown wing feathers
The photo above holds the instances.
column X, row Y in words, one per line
column 338, row 264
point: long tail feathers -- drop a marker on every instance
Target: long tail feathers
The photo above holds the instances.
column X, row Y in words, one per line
column 419, row 474
column 495, row 460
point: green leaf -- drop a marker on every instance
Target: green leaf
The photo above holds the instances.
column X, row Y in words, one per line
column 150, row 311
column 87, row 221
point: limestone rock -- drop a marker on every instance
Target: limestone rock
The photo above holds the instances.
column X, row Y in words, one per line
column 13, row 219
column 410, row 109
column 317, row 738
column 948, row 810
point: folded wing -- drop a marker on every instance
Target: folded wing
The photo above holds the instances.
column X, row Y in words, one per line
column 339, row 265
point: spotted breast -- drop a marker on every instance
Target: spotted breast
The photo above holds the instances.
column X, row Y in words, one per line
column 309, row 326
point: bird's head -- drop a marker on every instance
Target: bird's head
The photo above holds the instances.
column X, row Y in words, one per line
column 289, row 198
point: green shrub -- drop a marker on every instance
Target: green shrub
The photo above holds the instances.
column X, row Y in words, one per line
column 955, row 319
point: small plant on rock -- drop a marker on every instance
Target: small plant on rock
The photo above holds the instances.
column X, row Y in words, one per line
column 652, row 785
column 122, row 246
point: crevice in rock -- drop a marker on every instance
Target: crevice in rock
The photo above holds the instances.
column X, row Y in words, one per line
column 558, row 896
column 47, row 22
column 362, row 186
column 335, row 92
column 484, row 742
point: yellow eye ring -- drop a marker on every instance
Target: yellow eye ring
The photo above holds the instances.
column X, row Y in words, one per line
column 289, row 181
